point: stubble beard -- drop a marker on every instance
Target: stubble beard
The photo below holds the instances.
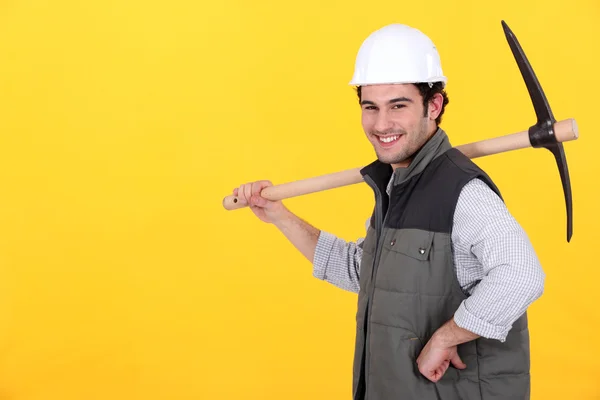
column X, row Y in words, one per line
column 414, row 141
column 402, row 155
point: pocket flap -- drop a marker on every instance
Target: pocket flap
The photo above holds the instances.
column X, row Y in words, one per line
column 415, row 243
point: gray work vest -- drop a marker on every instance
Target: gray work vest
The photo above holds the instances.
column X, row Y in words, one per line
column 409, row 288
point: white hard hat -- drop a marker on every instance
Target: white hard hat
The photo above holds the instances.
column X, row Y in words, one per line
column 397, row 53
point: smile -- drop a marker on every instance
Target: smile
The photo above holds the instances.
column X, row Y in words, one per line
column 388, row 139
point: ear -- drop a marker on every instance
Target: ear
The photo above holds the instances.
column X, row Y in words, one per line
column 435, row 106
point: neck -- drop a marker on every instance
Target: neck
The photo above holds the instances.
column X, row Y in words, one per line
column 403, row 164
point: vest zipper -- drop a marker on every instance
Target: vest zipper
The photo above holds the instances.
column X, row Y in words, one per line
column 379, row 225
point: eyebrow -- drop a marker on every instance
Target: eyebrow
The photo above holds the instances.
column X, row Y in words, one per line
column 395, row 100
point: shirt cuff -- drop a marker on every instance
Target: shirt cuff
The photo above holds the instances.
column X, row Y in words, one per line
column 469, row 321
column 324, row 247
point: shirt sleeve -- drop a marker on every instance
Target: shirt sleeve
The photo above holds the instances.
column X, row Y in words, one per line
column 338, row 261
column 512, row 277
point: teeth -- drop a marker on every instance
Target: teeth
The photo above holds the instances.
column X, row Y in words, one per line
column 388, row 139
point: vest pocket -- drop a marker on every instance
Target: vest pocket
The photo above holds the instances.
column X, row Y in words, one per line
column 394, row 373
column 393, row 369
column 405, row 261
column 414, row 243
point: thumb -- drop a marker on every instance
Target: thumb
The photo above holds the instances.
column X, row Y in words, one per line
column 457, row 362
column 258, row 200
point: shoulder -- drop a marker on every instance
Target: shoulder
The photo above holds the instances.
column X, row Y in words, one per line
column 482, row 214
column 480, row 194
column 454, row 159
column 480, row 201
column 453, row 169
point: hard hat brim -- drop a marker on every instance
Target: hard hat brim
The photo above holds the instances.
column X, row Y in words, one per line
column 441, row 79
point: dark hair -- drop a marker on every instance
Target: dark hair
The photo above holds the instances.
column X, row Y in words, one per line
column 427, row 93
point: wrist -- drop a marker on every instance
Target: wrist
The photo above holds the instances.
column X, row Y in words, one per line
column 282, row 218
column 440, row 339
column 450, row 334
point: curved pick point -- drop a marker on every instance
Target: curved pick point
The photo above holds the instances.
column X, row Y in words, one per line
column 538, row 98
column 542, row 134
column 561, row 160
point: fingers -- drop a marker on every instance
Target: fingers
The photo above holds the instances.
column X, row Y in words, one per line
column 432, row 370
column 239, row 193
column 444, row 367
column 434, row 365
column 243, row 193
column 249, row 193
column 259, row 201
column 256, row 187
column 436, row 374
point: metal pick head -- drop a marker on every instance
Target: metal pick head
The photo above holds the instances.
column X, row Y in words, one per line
column 542, row 133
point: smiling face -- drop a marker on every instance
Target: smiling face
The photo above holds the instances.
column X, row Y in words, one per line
column 396, row 122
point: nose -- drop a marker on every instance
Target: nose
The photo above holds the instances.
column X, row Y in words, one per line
column 383, row 123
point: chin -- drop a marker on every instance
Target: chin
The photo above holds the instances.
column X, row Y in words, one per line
column 392, row 158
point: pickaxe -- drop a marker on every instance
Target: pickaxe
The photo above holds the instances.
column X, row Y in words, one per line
column 547, row 133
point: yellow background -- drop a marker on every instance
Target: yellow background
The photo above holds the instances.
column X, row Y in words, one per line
column 124, row 124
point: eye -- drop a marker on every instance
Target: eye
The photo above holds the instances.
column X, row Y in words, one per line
column 398, row 106
column 370, row 108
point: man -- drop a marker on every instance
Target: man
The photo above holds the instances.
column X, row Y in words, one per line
column 445, row 274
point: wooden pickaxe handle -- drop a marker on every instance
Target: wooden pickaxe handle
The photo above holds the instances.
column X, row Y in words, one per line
column 564, row 131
